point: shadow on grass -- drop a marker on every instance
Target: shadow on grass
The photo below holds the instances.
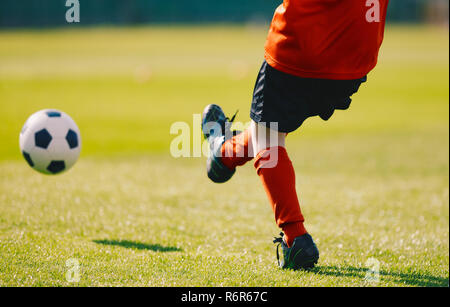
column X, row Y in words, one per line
column 139, row 245
column 411, row 279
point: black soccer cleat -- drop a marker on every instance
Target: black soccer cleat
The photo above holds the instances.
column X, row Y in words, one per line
column 216, row 129
column 303, row 254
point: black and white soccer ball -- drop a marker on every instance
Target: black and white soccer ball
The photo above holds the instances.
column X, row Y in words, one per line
column 50, row 141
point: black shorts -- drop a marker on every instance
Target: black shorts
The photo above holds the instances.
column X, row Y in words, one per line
column 288, row 100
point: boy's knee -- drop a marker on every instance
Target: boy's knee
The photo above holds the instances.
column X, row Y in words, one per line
column 264, row 137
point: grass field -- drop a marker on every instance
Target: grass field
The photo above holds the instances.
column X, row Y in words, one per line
column 373, row 181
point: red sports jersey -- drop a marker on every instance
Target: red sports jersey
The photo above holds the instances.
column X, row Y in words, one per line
column 326, row 39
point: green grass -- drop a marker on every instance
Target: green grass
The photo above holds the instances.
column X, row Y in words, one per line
column 373, row 181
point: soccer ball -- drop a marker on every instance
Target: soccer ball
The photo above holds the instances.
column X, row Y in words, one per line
column 50, row 141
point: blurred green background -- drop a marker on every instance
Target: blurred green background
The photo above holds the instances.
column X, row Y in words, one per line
column 50, row 13
column 126, row 86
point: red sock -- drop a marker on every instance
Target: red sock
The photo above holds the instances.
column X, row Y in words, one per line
column 235, row 150
column 279, row 182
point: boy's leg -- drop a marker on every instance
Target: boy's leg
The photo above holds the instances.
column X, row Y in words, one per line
column 238, row 150
column 275, row 170
column 277, row 174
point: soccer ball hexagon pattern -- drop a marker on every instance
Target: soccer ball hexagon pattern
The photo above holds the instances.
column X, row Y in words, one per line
column 50, row 141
